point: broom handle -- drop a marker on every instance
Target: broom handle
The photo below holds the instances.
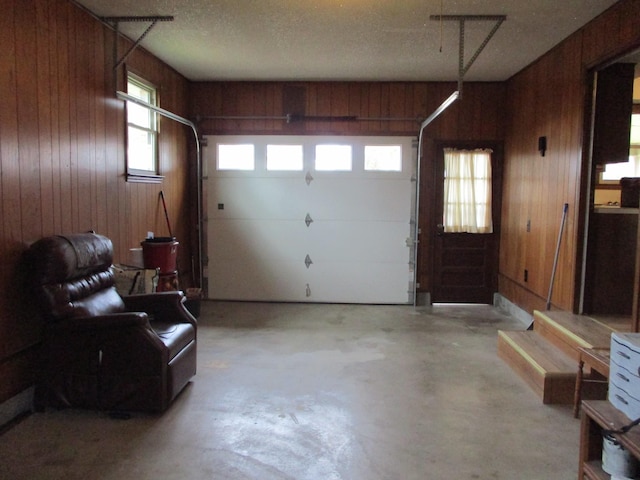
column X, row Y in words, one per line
column 555, row 260
column 166, row 215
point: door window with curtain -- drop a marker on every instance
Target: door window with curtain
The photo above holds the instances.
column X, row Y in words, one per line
column 467, row 191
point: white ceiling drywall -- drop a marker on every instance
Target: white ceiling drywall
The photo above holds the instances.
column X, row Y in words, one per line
column 328, row 40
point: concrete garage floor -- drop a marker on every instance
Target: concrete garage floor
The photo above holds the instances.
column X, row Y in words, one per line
column 306, row 392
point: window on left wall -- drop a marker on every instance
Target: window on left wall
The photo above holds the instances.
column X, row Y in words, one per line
column 142, row 132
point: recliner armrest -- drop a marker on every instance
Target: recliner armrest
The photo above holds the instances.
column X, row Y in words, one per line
column 103, row 322
column 166, row 307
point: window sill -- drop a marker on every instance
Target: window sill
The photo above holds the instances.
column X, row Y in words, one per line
column 134, row 178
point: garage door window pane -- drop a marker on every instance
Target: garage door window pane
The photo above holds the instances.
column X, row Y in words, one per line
column 336, row 158
column 284, row 157
column 236, row 157
column 383, row 158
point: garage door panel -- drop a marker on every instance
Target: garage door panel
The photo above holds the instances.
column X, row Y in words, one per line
column 359, row 199
column 334, row 199
column 259, row 198
column 259, row 281
column 368, row 282
column 252, row 239
column 292, row 283
column 359, row 241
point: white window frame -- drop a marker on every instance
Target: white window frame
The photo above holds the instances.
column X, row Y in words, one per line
column 322, row 163
column 383, row 167
column 152, row 130
column 289, row 151
column 356, row 144
column 246, row 163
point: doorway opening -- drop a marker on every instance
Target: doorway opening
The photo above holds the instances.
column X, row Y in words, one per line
column 609, row 287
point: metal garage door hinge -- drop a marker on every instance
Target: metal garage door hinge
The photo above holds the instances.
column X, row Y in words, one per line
column 307, row 261
column 308, row 220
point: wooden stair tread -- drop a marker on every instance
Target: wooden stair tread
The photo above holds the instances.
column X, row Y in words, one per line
column 619, row 323
column 542, row 355
column 581, row 330
column 546, row 358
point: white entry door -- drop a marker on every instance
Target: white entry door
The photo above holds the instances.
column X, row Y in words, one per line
column 310, row 219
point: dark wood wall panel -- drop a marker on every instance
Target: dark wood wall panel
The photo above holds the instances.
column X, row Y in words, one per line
column 549, row 99
column 479, row 115
column 546, row 100
column 62, row 155
column 613, row 33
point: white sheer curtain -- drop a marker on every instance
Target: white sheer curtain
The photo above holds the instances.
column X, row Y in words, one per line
column 467, row 191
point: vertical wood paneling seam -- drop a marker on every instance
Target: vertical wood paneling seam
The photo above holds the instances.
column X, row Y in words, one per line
column 55, row 120
column 8, row 138
column 43, row 79
column 25, row 122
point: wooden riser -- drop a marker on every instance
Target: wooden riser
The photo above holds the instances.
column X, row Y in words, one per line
column 547, row 370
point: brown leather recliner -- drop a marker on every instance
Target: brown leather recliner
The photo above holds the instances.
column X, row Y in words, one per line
column 101, row 350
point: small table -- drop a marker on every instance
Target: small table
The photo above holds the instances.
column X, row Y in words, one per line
column 598, row 360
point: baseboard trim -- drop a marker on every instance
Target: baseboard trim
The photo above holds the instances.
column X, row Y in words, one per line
column 423, row 299
column 510, row 308
column 16, row 406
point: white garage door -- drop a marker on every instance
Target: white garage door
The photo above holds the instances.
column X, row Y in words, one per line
column 310, row 219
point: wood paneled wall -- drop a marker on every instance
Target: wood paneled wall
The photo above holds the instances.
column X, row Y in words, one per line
column 62, row 155
column 549, row 98
column 479, row 115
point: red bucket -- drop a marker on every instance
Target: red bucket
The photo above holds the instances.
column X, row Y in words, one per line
column 160, row 252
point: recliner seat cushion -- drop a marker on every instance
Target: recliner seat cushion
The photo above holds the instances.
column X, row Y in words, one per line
column 175, row 336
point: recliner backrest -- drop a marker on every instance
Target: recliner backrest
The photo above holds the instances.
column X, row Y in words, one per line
column 72, row 277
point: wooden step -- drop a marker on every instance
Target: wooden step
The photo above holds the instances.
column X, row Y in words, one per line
column 568, row 332
column 547, row 357
column 547, row 370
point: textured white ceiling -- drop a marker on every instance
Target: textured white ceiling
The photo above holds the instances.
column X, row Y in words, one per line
column 329, row 40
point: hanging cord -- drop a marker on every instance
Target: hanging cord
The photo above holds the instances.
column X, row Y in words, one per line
column 441, row 12
column 622, row 430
